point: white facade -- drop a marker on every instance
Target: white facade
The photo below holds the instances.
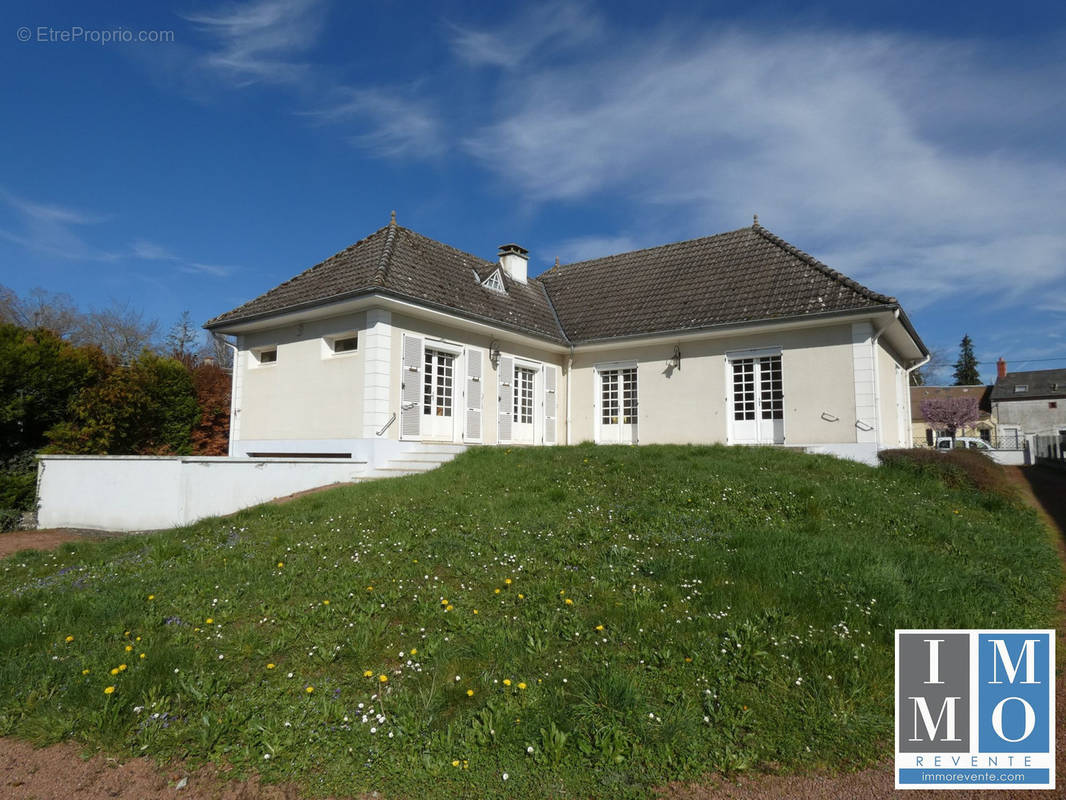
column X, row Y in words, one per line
column 417, row 375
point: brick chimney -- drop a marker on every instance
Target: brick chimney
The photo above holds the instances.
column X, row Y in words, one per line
column 514, row 260
column 1001, row 367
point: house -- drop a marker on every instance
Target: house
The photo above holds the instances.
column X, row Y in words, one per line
column 923, row 434
column 1029, row 404
column 737, row 338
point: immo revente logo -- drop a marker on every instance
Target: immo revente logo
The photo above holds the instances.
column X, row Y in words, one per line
column 975, row 708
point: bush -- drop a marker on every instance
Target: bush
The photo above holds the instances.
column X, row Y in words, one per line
column 959, row 469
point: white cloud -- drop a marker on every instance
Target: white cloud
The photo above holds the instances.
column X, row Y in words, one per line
column 260, row 41
column 150, row 251
column 51, row 229
column 853, row 146
column 582, row 248
column 394, row 122
column 541, row 28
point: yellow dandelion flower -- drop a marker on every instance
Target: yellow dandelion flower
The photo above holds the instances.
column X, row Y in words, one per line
column 368, row 674
column 121, row 667
column 475, row 610
column 70, row 639
column 495, row 591
column 444, row 602
column 137, row 639
column 85, row 672
column 151, row 597
column 521, row 686
column 507, row 581
column 449, row 607
column 414, row 651
column 109, row 690
column 599, row 627
column 143, row 655
column 506, row 681
column 455, row 763
column 688, row 659
column 569, row 602
column 383, row 678
column 309, row 689
column 562, row 592
column 521, row 596
column 370, row 588
column 210, row 620
column 129, row 647
column 281, row 564
column 325, row 602
column 469, row 692
column 114, row 671
column 271, row 666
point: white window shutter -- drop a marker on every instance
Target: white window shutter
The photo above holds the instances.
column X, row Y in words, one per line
column 551, row 403
column 505, row 378
column 411, row 388
column 474, row 362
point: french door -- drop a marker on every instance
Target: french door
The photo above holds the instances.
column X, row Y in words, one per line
column 618, row 406
column 438, row 395
column 758, row 412
column 522, row 425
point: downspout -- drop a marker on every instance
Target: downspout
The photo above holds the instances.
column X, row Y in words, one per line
column 234, row 394
column 569, row 369
column 877, row 378
column 907, row 379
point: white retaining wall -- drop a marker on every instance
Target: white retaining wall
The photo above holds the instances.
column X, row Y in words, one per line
column 137, row 493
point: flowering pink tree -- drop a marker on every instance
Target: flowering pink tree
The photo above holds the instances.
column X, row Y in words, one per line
column 950, row 413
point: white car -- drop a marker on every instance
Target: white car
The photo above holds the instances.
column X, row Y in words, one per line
column 963, row 443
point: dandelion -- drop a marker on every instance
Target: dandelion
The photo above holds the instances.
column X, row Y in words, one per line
column 414, row 651
column 469, row 692
column 475, row 610
column 383, row 678
column 521, row 596
column 521, row 686
column 109, row 690
column 449, row 607
column 114, row 671
column 209, row 621
column 370, row 588
column 281, row 564
column 506, row 681
column 599, row 627
column 85, row 672
column 129, row 647
column 143, row 655
column 310, row 689
column 151, row 597
column 325, row 602
column 455, row 763
column 271, row 666
column 496, row 591
column 70, row 639
column 368, row 674
column 569, row 602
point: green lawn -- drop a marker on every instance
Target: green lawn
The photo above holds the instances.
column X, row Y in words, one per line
column 587, row 620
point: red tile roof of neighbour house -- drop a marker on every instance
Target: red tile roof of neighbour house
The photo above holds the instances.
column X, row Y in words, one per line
column 746, row 275
column 1039, row 384
column 981, row 392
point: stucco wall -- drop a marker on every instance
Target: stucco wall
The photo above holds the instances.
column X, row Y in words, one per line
column 309, row 393
column 690, row 404
column 402, row 324
column 891, row 399
column 1032, row 416
column 134, row 493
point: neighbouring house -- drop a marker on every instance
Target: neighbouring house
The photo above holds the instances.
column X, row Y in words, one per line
column 737, row 338
column 923, row 433
column 1030, row 404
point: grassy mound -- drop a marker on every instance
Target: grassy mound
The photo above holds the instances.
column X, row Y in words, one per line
column 955, row 468
column 587, row 621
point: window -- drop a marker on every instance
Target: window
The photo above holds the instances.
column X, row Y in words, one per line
column 345, row 344
column 1021, row 387
column 523, row 395
column 437, row 383
column 494, row 282
column 1052, row 404
column 266, row 355
column 769, row 403
column 929, row 440
column 618, row 401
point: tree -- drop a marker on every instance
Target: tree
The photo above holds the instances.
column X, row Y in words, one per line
column 966, row 366
column 181, row 339
column 146, row 408
column 210, row 436
column 949, row 414
column 40, row 309
column 120, row 331
column 938, row 361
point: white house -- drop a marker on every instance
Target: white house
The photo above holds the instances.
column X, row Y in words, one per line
column 737, row 338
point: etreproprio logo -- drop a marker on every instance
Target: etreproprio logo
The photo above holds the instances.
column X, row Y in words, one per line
column 975, row 709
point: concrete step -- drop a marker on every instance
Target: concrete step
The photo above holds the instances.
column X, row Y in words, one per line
column 453, row 449
column 411, row 465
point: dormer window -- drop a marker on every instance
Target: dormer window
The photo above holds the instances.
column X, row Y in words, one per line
column 1019, row 388
column 494, row 282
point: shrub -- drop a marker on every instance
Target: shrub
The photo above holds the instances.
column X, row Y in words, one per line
column 954, row 468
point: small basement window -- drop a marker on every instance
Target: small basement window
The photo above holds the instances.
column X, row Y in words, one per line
column 343, row 343
column 266, row 355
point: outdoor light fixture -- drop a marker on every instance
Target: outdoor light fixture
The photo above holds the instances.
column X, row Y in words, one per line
column 675, row 359
column 494, row 353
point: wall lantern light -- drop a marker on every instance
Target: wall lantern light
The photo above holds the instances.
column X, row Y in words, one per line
column 494, row 353
column 675, row 359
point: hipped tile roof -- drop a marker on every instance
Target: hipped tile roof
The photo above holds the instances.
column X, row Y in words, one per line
column 745, row 275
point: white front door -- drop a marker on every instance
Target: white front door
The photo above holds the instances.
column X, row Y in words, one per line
column 438, row 395
column 522, row 426
column 618, row 406
column 758, row 409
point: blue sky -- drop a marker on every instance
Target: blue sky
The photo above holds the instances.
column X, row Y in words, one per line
column 917, row 147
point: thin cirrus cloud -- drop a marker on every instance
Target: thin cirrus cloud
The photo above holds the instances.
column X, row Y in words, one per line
column 853, row 143
column 50, row 229
column 150, row 251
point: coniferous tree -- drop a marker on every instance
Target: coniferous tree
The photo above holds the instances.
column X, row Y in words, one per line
column 966, row 367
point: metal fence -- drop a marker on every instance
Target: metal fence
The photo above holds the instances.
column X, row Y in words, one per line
column 1050, row 448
